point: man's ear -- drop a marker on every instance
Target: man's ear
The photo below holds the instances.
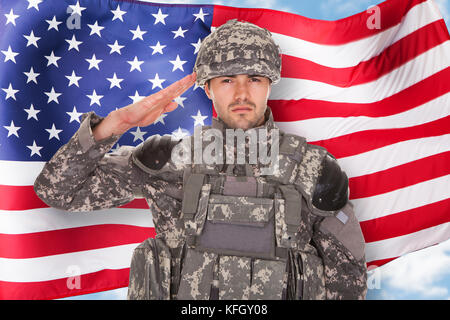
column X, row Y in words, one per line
column 207, row 91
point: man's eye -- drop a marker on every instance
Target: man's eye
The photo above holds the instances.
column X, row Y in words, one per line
column 255, row 79
column 226, row 80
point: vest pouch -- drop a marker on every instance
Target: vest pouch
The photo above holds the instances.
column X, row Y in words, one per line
column 150, row 271
column 310, row 279
column 241, row 226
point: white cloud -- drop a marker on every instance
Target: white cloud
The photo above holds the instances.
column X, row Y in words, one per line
column 444, row 8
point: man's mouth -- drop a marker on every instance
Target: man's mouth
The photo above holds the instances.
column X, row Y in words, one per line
column 241, row 109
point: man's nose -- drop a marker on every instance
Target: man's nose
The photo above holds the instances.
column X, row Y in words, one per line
column 241, row 92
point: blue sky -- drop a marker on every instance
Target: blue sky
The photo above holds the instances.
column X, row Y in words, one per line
column 420, row 275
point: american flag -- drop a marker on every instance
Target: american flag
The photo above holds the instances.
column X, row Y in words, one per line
column 372, row 88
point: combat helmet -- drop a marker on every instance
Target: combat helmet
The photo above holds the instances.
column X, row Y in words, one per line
column 238, row 47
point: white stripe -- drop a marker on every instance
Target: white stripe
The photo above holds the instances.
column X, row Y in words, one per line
column 403, row 199
column 396, row 247
column 66, row 265
column 394, row 155
column 338, row 126
column 352, row 53
column 410, row 73
column 48, row 219
column 19, row 173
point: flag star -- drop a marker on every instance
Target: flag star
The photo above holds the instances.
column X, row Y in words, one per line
column 74, row 115
column 54, row 133
column 115, row 47
column 179, row 33
column 115, row 82
column 200, row 15
column 32, row 39
column 52, row 59
column 159, row 17
column 136, row 97
column 73, row 79
column 156, row 82
column 177, row 63
column 196, row 86
column 95, row 28
column 135, row 64
column 118, row 14
column 35, row 149
column 161, row 119
column 73, row 43
column 157, row 48
column 52, row 96
column 34, row 4
column 11, row 17
column 93, row 62
column 32, row 112
column 10, row 92
column 95, row 98
column 179, row 100
column 199, row 119
column 76, row 9
column 197, row 45
column 12, row 129
column 10, row 55
column 138, row 33
column 179, row 134
column 31, row 75
column 138, row 134
column 115, row 149
column 53, row 24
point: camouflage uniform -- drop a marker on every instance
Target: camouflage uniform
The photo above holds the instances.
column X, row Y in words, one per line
column 224, row 230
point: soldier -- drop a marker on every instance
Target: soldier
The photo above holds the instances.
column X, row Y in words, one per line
column 224, row 230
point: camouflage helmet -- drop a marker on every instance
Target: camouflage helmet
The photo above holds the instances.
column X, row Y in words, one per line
column 238, row 47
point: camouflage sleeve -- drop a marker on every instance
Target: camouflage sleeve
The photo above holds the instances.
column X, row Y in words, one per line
column 82, row 176
column 341, row 245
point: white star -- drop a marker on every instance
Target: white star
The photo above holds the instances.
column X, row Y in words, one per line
column 115, row 82
column 179, row 100
column 54, row 133
column 196, row 86
column 74, row 115
column 31, row 39
column 179, row 134
column 53, row 96
column 12, row 129
column 73, row 79
column 93, row 62
column 52, row 59
column 10, row 55
column 95, row 98
column 156, row 82
column 32, row 112
column 135, row 64
column 197, row 45
column 34, row 4
column 95, row 28
column 177, row 63
column 115, row 47
column 76, row 9
column 11, row 17
column 118, row 14
column 138, row 33
column 138, row 134
column 179, row 33
column 31, row 75
column 35, row 149
column 199, row 119
column 53, row 24
column 136, row 97
column 200, row 15
column 159, row 17
column 157, row 48
column 73, row 43
column 10, row 92
column 161, row 119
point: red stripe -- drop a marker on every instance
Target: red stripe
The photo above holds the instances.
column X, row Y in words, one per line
column 54, row 289
column 392, row 57
column 360, row 142
column 46, row 243
column 16, row 198
column 420, row 93
column 406, row 222
column 318, row 31
column 400, row 176
column 378, row 263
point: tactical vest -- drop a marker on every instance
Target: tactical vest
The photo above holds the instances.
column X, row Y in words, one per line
column 245, row 236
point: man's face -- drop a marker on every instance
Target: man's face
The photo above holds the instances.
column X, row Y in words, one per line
column 240, row 100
